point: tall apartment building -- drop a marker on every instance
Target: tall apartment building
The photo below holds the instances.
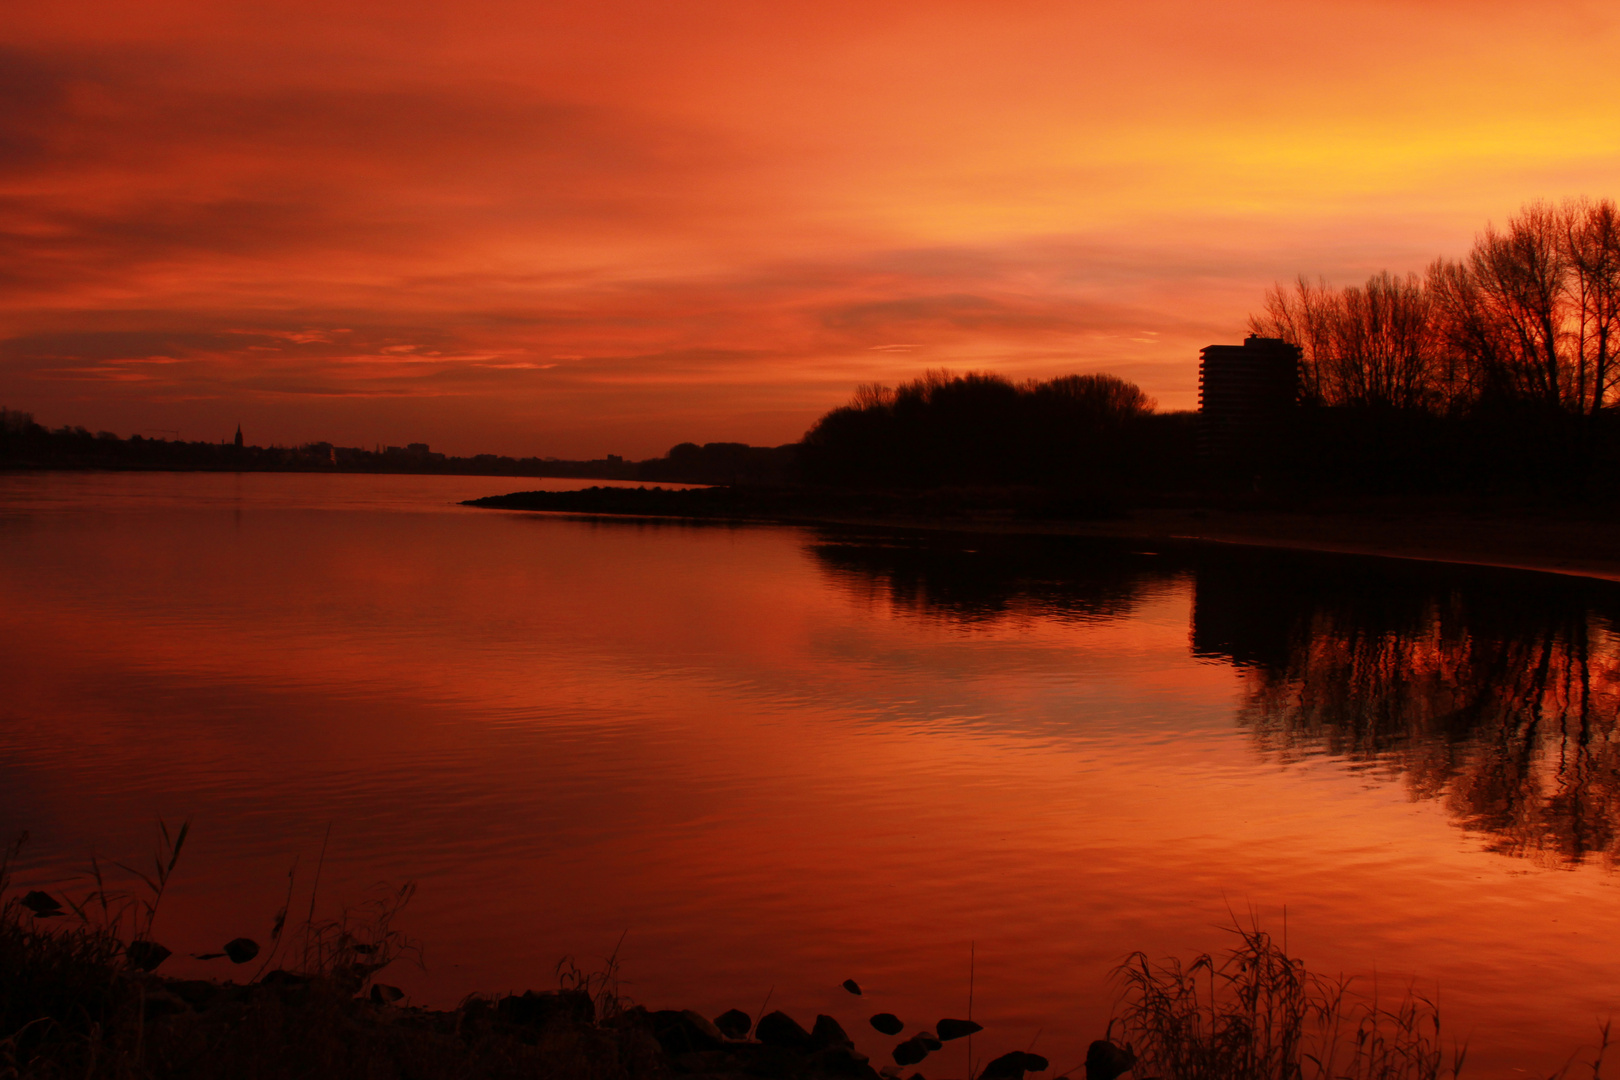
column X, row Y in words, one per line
column 1246, row 395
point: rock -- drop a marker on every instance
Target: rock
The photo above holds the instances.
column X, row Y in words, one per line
column 927, row 1039
column 285, row 979
column 829, row 1032
column 241, row 949
column 145, row 955
column 158, row 1003
column 842, row 1061
column 853, row 987
column 707, row 1062
column 888, row 1023
column 734, row 1024
column 536, row 1009
column 955, row 1029
column 682, row 1031
column 1006, row 1067
column 1105, row 1060
column 46, row 906
column 1013, row 1066
column 194, row 992
column 910, row 1052
column 704, row 1024
column 780, row 1029
column 382, row 994
column 768, row 1062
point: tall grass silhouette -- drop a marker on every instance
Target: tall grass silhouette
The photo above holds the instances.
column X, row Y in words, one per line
column 1255, row 1012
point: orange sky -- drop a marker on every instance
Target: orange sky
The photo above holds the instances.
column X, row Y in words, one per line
column 575, row 229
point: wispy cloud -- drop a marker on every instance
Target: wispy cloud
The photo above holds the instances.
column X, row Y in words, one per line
column 617, row 226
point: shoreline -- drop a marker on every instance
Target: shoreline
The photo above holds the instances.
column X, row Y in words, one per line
column 1527, row 538
column 1588, row 550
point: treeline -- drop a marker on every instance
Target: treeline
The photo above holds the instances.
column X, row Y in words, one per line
column 1494, row 372
column 25, row 444
column 1530, row 317
column 1080, row 432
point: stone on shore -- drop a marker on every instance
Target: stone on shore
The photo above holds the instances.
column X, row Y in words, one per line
column 948, row 1029
column 780, row 1029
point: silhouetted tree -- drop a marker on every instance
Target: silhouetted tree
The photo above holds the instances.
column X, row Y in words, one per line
column 1368, row 346
column 1530, row 316
column 1592, row 240
column 979, row 429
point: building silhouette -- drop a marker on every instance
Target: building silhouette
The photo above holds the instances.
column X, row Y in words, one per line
column 1246, row 398
column 239, row 436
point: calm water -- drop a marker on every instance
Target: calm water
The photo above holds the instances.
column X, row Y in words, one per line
column 776, row 758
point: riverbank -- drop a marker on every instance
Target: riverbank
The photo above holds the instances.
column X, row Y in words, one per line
column 1545, row 538
column 81, row 1002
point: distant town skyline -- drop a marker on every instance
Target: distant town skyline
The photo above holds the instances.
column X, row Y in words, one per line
column 546, row 229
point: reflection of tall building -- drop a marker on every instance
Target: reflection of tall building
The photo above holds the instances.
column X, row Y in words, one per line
column 1245, row 395
column 1246, row 611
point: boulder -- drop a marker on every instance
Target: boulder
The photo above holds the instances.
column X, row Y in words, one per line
column 145, row 955
column 682, row 1031
column 780, row 1029
column 46, row 906
column 910, row 1052
column 1106, row 1060
column 888, row 1023
column 734, row 1024
column 536, row 1009
column 1013, row 1066
column 955, row 1029
column 828, row 1033
column 198, row 993
column 241, row 949
column 842, row 1061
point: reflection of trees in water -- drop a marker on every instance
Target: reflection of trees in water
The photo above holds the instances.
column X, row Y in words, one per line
column 981, row 580
column 1498, row 694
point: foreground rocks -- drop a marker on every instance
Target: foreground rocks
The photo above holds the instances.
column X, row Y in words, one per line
column 288, row 1025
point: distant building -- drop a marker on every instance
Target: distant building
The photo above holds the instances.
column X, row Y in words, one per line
column 239, row 436
column 1246, row 396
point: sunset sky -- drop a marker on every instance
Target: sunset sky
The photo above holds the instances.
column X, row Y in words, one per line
column 572, row 229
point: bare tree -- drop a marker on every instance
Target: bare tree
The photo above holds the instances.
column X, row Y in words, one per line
column 1520, row 275
column 1372, row 345
column 1530, row 314
column 1385, row 343
column 1302, row 316
column 1591, row 241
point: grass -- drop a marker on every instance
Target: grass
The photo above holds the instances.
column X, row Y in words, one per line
column 1256, row 1013
column 79, row 999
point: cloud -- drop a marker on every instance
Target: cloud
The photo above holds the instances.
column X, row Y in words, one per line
column 569, row 224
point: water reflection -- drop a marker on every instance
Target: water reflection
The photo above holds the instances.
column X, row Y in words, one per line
column 1497, row 693
column 983, row 579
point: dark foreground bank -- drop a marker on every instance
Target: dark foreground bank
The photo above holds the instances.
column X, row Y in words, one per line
column 81, row 996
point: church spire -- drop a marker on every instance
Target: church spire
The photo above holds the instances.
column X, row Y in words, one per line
column 238, row 434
